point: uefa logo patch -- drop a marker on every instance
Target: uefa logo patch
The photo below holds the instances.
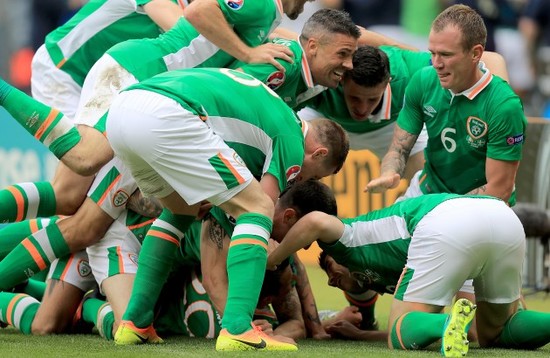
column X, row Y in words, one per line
column 234, row 4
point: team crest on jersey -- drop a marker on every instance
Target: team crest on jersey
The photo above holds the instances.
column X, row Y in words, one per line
column 477, row 130
column 275, row 80
column 134, row 258
column 292, row 172
column 476, row 127
column 367, row 277
column 84, row 269
column 120, row 198
column 234, row 4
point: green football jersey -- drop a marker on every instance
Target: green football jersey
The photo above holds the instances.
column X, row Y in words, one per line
column 294, row 85
column 184, row 47
column 486, row 121
column 251, row 118
column 96, row 27
column 403, row 64
column 374, row 246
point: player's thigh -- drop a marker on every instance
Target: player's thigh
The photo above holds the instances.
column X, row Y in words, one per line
column 251, row 199
column 52, row 86
column 491, row 318
column 68, row 279
column 118, row 289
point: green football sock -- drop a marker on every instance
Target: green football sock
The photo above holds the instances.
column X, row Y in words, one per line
column 155, row 261
column 46, row 124
column 246, row 262
column 417, row 330
column 100, row 313
column 34, row 288
column 526, row 330
column 27, row 201
column 33, row 254
column 12, row 235
column 18, row 310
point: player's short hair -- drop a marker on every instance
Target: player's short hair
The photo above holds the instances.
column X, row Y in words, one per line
column 331, row 135
column 323, row 260
column 307, row 196
column 467, row 20
column 371, row 67
column 272, row 280
column 328, row 22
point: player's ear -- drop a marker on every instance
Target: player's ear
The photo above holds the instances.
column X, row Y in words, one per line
column 320, row 153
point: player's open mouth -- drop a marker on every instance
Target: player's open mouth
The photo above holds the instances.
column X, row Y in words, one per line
column 339, row 74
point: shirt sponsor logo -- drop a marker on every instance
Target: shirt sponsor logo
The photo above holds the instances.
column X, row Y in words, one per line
column 429, row 111
column 234, row 4
column 516, row 139
column 292, row 172
column 120, row 198
column 275, row 80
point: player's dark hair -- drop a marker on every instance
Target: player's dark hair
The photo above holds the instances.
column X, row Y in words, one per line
column 371, row 67
column 272, row 280
column 323, row 260
column 327, row 22
column 307, row 196
column 331, row 135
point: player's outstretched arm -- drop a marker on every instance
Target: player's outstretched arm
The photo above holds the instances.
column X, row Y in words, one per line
column 164, row 13
column 310, row 228
column 394, row 162
column 207, row 17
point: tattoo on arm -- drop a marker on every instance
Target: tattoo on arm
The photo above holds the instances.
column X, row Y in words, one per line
column 398, row 153
column 149, row 207
column 216, row 233
column 482, row 190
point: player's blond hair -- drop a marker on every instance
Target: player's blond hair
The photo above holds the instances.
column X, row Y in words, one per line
column 465, row 19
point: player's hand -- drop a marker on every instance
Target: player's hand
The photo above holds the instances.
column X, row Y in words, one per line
column 383, row 183
column 343, row 329
column 268, row 53
column 271, row 265
column 266, row 327
column 321, row 336
column 350, row 314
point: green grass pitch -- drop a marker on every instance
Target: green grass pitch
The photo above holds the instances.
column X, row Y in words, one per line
column 15, row 344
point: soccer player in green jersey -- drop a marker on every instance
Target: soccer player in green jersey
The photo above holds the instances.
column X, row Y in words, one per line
column 262, row 140
column 475, row 122
column 426, row 247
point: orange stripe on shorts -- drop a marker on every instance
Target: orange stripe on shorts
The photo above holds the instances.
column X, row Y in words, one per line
column 33, row 251
column 42, row 129
column 120, row 260
column 66, row 269
column 19, row 202
column 108, row 190
column 234, row 171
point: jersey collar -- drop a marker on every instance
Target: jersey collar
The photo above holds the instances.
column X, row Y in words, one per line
column 483, row 82
column 385, row 109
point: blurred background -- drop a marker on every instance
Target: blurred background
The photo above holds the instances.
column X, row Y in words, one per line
column 517, row 29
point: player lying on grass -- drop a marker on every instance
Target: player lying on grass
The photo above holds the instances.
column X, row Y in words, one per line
column 427, row 247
